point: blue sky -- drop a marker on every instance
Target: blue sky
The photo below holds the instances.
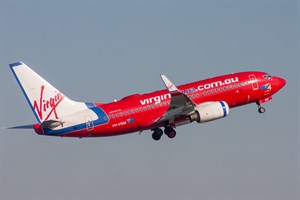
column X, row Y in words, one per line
column 101, row 50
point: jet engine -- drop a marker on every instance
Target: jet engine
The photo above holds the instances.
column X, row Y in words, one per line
column 209, row 111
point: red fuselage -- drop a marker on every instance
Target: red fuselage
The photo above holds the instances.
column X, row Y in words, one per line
column 136, row 112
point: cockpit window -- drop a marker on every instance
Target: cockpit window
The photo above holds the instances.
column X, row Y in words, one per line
column 267, row 76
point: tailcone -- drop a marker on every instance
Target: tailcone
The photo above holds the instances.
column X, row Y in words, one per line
column 38, row 129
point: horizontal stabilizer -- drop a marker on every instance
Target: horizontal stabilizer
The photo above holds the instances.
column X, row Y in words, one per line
column 30, row 126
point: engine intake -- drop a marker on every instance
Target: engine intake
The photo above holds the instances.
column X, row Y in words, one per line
column 209, row 111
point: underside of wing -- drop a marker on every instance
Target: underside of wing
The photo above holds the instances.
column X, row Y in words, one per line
column 180, row 104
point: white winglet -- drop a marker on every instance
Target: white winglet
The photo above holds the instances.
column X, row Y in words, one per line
column 171, row 87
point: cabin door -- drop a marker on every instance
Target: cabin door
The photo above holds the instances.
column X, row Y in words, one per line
column 89, row 123
column 253, row 82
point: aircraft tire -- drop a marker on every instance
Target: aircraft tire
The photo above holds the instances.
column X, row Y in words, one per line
column 261, row 110
column 156, row 135
column 170, row 132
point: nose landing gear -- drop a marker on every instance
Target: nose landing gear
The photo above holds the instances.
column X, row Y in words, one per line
column 260, row 108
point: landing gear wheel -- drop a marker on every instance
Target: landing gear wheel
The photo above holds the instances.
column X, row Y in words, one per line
column 156, row 135
column 170, row 132
column 261, row 110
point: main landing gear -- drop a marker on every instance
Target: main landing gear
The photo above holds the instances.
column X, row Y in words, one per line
column 260, row 108
column 156, row 135
column 169, row 131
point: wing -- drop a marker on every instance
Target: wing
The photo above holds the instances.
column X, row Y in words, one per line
column 180, row 103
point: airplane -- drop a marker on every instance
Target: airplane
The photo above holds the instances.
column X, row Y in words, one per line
column 201, row 101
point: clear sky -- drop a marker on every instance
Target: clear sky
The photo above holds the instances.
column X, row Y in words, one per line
column 101, row 50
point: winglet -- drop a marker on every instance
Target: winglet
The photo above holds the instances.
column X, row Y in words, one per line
column 171, row 87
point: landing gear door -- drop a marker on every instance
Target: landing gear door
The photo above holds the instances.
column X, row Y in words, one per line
column 253, row 82
column 89, row 123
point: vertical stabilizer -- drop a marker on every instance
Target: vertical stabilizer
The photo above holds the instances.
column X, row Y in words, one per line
column 46, row 102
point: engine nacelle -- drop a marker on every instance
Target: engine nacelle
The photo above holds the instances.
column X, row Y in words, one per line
column 209, row 111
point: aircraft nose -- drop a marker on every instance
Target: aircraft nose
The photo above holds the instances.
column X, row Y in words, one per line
column 280, row 82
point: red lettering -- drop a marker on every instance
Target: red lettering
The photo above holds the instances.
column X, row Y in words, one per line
column 47, row 106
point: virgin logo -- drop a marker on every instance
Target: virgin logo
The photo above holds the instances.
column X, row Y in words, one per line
column 47, row 106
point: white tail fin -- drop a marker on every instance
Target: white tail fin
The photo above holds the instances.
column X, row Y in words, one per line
column 46, row 102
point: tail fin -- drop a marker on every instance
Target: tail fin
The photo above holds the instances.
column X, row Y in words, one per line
column 46, row 102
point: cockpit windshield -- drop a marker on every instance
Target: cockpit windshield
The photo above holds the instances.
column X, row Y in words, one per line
column 267, row 76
